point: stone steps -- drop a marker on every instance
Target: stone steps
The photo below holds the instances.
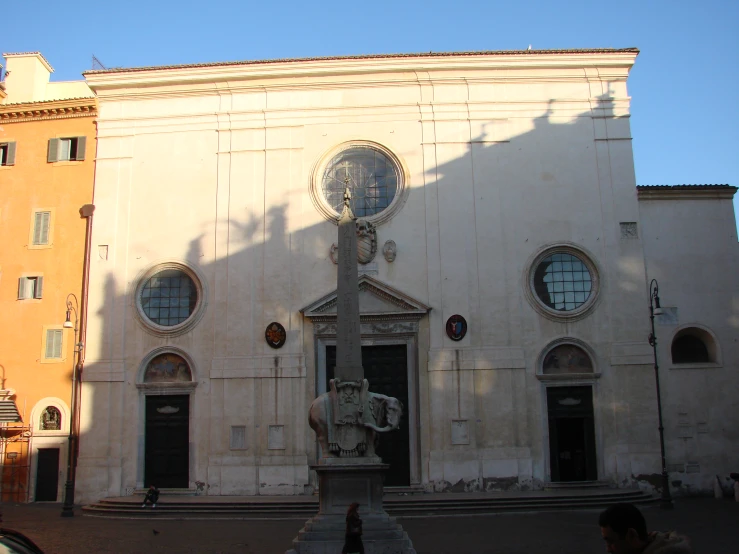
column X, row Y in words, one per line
column 577, row 485
column 417, row 505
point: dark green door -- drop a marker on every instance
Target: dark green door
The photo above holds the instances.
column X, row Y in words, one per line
column 47, row 474
column 571, row 434
column 386, row 369
column 167, row 458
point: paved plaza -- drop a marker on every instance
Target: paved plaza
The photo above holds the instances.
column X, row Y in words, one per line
column 712, row 525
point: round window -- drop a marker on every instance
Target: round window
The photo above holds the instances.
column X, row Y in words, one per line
column 168, row 297
column 562, row 281
column 371, row 175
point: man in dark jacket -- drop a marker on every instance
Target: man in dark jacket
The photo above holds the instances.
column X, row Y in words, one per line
column 625, row 531
column 152, row 495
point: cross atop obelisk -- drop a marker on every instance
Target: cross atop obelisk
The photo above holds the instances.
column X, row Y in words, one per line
column 348, row 341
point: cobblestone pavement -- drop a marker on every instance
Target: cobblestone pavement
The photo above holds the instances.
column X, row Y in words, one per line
column 712, row 525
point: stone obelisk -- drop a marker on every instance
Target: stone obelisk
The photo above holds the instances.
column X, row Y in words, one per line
column 345, row 420
column 348, row 341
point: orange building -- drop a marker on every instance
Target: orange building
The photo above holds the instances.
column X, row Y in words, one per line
column 47, row 153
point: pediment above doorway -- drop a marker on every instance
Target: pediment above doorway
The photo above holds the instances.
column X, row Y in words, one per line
column 377, row 302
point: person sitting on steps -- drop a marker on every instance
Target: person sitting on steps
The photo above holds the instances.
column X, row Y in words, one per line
column 152, row 495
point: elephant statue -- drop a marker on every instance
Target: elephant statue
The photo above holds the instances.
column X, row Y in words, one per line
column 378, row 413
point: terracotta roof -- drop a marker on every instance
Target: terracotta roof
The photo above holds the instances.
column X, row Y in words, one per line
column 368, row 57
column 40, row 103
column 6, row 54
column 685, row 187
column 685, row 192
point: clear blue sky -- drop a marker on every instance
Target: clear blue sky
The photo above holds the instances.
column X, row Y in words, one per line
column 684, row 86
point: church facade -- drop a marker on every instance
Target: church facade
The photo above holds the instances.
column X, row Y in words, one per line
column 505, row 257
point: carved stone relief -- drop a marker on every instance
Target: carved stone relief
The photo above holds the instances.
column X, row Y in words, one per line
column 333, row 253
column 629, row 230
column 390, row 251
column 366, row 241
column 382, row 328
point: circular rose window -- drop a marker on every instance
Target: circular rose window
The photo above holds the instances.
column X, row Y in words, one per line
column 372, row 176
column 562, row 281
column 169, row 297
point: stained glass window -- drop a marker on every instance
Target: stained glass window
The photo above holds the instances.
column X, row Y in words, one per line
column 371, row 176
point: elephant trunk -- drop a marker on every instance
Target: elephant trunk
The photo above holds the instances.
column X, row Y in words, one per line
column 380, row 429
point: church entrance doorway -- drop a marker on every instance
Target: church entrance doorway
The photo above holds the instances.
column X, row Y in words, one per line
column 47, row 474
column 167, row 449
column 386, row 369
column 571, row 434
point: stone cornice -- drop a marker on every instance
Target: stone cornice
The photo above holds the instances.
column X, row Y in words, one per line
column 591, row 65
column 686, row 192
column 53, row 109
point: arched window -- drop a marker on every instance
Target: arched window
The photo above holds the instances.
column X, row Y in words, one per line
column 167, row 368
column 689, row 348
column 567, row 358
column 51, row 419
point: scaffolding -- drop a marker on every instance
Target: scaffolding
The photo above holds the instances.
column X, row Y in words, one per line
column 15, row 462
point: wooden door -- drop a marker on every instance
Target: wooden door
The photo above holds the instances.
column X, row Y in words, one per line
column 571, row 434
column 47, row 475
column 167, row 443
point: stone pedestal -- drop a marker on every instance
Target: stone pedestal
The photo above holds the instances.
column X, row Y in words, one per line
column 341, row 482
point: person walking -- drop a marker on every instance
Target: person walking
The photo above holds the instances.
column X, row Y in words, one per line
column 624, row 530
column 152, row 495
column 353, row 537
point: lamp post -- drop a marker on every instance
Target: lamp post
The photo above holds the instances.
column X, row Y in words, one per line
column 656, row 309
column 79, row 326
column 72, row 308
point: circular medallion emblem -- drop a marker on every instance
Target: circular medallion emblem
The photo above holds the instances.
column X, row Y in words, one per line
column 456, row 327
column 275, row 335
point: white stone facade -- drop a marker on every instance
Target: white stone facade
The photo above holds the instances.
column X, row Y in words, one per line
column 503, row 157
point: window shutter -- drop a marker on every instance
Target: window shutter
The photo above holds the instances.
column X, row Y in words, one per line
column 53, row 343
column 80, row 154
column 37, row 217
column 21, row 288
column 41, row 227
column 53, row 153
column 10, row 154
column 49, row 344
column 58, row 343
column 39, row 287
column 45, row 217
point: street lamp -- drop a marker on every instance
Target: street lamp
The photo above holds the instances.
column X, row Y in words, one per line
column 80, row 326
column 656, row 309
column 72, row 308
